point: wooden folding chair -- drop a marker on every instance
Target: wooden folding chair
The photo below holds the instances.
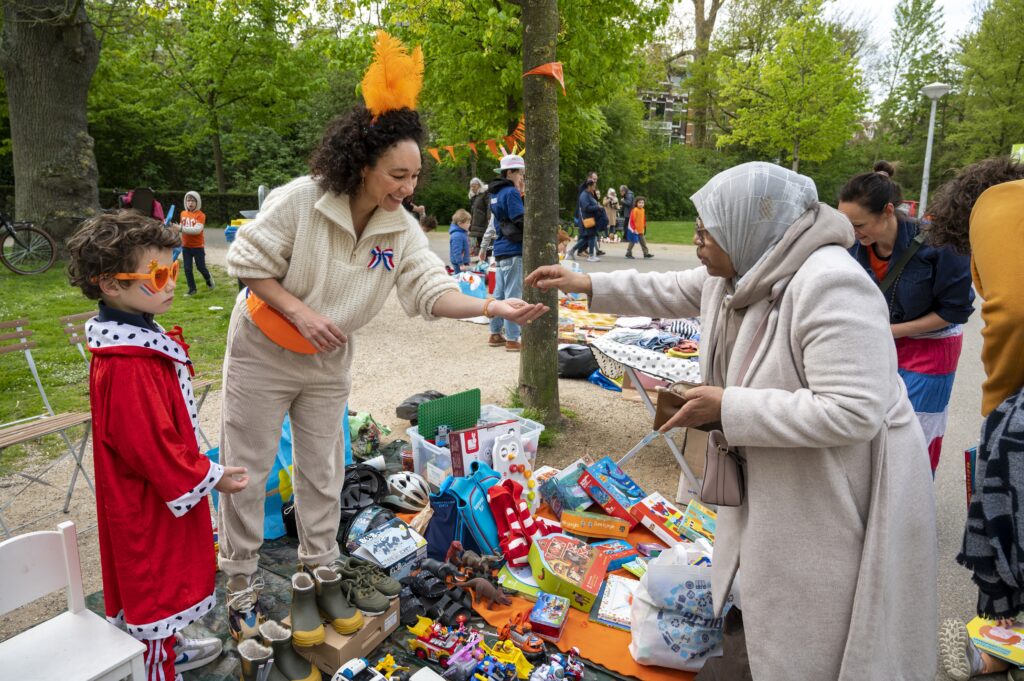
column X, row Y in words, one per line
column 35, row 427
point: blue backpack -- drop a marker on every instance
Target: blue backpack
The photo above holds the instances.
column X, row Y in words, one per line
column 461, row 513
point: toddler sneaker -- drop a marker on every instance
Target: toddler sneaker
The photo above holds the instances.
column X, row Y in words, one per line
column 192, row 653
column 349, row 567
column 332, row 600
column 960, row 658
column 307, row 629
column 245, row 614
column 288, row 664
column 366, row 598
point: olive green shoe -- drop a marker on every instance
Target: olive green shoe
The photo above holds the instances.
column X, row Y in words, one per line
column 365, row 596
column 350, row 567
column 307, row 629
column 333, row 602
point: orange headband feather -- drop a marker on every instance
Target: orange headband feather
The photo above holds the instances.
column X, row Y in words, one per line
column 395, row 77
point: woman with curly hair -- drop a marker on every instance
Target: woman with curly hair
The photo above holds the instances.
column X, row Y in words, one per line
column 927, row 290
column 319, row 262
column 981, row 213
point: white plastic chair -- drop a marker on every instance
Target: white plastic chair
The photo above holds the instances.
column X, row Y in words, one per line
column 76, row 645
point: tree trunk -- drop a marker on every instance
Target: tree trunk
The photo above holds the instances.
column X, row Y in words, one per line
column 538, row 364
column 796, row 156
column 701, row 77
column 48, row 53
column 218, row 153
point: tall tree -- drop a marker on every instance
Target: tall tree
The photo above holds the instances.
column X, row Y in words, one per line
column 48, row 54
column 701, row 81
column 538, row 365
column 804, row 99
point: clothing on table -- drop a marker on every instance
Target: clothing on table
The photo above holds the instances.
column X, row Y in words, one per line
column 304, row 237
column 458, row 247
column 198, row 257
column 994, row 535
column 152, row 482
column 933, row 280
column 508, row 283
column 855, row 457
column 997, row 241
column 685, row 328
column 262, row 381
column 634, row 322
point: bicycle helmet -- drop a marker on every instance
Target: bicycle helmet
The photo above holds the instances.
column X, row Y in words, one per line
column 364, row 486
column 359, row 524
column 407, row 492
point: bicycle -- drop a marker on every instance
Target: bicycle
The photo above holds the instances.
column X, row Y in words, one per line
column 25, row 248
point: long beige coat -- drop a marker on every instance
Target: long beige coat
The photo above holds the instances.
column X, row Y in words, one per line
column 836, row 538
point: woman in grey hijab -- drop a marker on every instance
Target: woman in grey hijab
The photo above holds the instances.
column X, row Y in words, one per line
column 836, row 534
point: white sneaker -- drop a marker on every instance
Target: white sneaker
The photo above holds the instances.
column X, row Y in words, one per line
column 593, row 259
column 191, row 653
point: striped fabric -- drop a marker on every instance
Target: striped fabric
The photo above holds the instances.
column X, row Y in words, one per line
column 927, row 364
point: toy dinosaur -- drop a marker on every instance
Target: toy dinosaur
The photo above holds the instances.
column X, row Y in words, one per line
column 485, row 592
column 470, row 559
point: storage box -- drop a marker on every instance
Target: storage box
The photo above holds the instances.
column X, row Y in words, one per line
column 612, row 489
column 660, row 517
column 619, row 552
column 476, row 444
column 338, row 649
column 549, row 615
column 699, row 521
column 566, row 566
column 435, row 463
column 594, row 524
column 394, row 546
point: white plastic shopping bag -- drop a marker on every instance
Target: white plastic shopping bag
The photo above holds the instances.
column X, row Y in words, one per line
column 672, row 619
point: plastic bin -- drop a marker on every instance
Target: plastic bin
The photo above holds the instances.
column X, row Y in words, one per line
column 424, row 451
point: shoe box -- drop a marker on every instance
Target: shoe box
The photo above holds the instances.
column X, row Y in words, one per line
column 337, row 649
column 394, row 546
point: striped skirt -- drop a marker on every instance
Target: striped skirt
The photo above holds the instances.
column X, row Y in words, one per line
column 927, row 364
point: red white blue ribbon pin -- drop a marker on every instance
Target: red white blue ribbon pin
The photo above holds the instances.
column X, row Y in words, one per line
column 380, row 255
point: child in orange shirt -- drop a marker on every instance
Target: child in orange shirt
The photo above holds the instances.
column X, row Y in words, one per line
column 193, row 244
column 636, row 227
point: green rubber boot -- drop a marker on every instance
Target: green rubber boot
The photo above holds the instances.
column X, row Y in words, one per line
column 257, row 660
column 307, row 629
column 333, row 602
column 287, row 663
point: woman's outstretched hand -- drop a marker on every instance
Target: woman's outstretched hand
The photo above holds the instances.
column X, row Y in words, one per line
column 558, row 277
column 517, row 311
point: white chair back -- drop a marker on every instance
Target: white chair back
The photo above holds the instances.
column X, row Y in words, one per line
column 35, row 564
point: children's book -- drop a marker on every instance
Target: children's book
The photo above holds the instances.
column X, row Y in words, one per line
column 637, row 566
column 613, row 602
column 563, row 490
column 699, row 522
column 658, row 515
column 1006, row 644
column 612, row 489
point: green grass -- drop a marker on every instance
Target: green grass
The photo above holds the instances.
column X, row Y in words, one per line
column 670, row 232
column 44, row 298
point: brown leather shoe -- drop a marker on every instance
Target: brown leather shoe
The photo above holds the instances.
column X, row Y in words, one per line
column 496, row 340
column 513, row 346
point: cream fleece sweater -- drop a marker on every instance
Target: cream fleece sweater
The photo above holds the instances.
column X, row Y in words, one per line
column 304, row 237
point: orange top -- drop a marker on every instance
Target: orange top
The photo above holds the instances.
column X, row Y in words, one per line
column 638, row 220
column 878, row 266
column 192, row 219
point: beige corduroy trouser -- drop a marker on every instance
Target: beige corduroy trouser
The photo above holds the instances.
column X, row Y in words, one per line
column 262, row 381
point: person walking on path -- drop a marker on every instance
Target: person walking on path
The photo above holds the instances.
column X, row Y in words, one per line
column 611, row 209
column 637, row 228
column 319, row 262
column 835, row 462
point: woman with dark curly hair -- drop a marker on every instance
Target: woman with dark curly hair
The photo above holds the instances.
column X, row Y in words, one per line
column 927, row 290
column 319, row 262
column 981, row 212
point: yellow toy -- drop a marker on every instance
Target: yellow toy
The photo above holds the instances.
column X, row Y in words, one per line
column 388, row 667
column 506, row 651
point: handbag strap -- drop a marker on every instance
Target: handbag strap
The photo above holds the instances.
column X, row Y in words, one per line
column 895, row 270
column 755, row 343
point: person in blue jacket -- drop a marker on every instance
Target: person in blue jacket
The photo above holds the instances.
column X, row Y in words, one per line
column 587, row 206
column 508, row 210
column 458, row 240
column 928, row 291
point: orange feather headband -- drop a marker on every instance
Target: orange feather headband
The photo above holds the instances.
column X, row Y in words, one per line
column 395, row 77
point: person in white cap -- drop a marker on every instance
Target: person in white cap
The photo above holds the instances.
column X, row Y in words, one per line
column 507, row 206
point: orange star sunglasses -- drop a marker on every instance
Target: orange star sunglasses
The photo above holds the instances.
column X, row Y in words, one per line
column 158, row 275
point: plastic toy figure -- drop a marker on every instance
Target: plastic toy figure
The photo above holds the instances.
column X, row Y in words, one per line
column 391, row 669
column 519, row 630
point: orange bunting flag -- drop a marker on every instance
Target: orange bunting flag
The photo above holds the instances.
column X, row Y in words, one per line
column 451, row 152
column 472, row 145
column 510, row 142
column 493, row 147
column 433, row 152
column 552, row 69
column 520, row 132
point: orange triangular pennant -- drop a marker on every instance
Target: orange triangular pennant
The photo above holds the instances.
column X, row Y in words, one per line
column 493, row 147
column 433, row 152
column 552, row 69
column 472, row 145
column 451, row 152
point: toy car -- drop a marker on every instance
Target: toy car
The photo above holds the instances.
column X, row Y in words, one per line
column 519, row 630
column 507, row 652
column 434, row 641
column 560, row 667
column 357, row 669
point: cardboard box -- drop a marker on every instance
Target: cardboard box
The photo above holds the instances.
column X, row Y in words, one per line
column 619, row 552
column 475, row 444
column 549, row 615
column 394, row 546
column 699, row 522
column 563, row 491
column 660, row 517
column 594, row 524
column 566, row 566
column 337, row 649
column 612, row 489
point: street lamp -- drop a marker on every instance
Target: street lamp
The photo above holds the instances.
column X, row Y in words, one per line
column 932, row 91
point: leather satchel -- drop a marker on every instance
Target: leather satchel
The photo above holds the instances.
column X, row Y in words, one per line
column 589, row 222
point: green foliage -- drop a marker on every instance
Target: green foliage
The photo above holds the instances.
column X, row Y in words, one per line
column 803, row 99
